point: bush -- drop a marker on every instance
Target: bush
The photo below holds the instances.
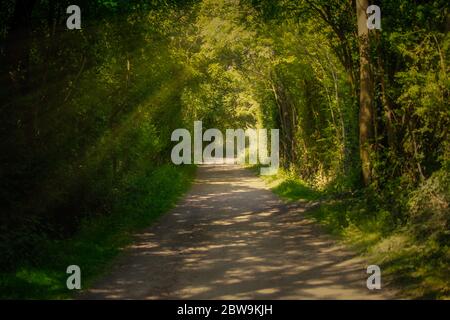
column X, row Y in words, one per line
column 429, row 208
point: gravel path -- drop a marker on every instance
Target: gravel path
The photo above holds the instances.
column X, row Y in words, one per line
column 232, row 238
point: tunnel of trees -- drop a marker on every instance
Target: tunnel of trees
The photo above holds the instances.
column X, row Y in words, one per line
column 86, row 115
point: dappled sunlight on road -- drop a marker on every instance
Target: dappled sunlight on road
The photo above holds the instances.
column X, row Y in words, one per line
column 232, row 238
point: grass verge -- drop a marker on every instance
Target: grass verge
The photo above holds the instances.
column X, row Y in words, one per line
column 100, row 239
column 419, row 269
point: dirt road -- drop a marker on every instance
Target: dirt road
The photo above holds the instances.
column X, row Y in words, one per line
column 232, row 238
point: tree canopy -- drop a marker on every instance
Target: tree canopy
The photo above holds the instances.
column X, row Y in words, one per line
column 86, row 114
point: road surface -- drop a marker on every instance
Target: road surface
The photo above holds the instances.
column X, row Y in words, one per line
column 232, row 238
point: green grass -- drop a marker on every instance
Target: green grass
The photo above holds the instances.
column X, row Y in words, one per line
column 418, row 269
column 294, row 190
column 288, row 187
column 99, row 240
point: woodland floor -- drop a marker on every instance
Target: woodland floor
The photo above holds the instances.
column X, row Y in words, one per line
column 232, row 238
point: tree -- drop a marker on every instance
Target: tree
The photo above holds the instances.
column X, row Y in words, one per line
column 366, row 94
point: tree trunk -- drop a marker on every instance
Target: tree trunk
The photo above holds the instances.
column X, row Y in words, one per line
column 287, row 116
column 366, row 96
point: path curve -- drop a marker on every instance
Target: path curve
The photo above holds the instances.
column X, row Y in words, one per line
column 232, row 238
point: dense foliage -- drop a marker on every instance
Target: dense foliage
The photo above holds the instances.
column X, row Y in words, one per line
column 85, row 114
